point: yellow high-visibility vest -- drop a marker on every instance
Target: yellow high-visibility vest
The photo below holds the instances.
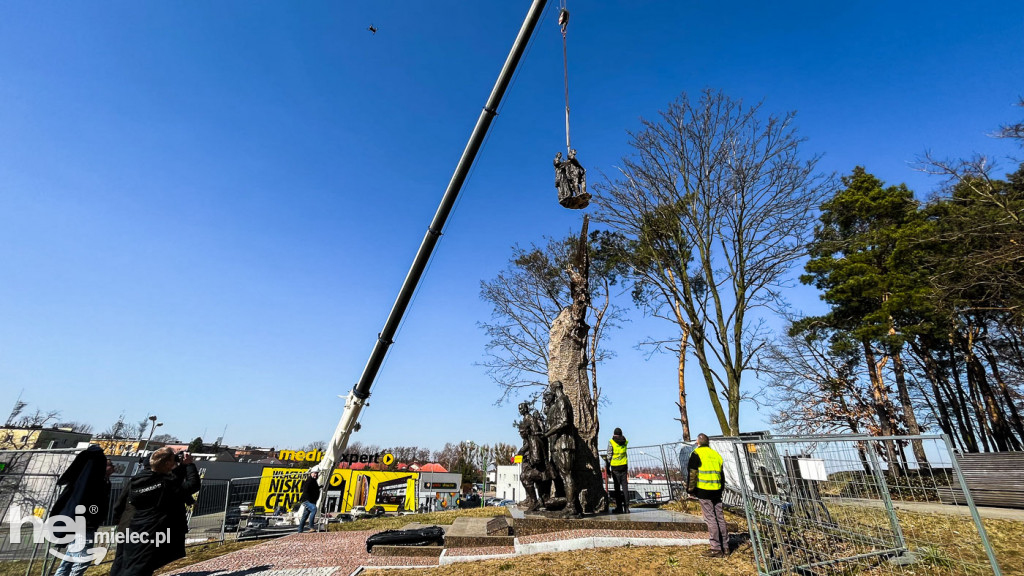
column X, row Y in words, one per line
column 619, row 453
column 709, row 475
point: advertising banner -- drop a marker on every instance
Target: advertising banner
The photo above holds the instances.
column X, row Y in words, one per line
column 280, row 489
column 393, row 491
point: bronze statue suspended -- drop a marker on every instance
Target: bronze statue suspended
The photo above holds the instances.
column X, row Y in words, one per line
column 571, row 182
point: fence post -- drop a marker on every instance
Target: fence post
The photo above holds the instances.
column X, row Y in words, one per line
column 224, row 520
column 974, row 510
column 884, row 490
column 748, row 509
column 668, row 476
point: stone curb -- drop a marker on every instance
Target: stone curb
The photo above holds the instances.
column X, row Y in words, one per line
column 601, row 542
column 554, row 546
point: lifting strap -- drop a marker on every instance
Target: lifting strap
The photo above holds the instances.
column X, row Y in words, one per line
column 563, row 21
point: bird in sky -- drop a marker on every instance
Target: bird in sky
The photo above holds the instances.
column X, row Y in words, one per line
column 372, row 28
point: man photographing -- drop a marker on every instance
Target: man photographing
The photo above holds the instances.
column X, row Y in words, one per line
column 159, row 497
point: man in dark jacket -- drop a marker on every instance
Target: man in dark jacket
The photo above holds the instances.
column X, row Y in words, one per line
column 156, row 533
column 309, row 497
column 86, row 483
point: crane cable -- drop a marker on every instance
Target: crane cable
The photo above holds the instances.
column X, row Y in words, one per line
column 563, row 21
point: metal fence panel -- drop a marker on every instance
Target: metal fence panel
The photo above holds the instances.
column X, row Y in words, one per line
column 653, row 474
column 246, row 519
column 836, row 505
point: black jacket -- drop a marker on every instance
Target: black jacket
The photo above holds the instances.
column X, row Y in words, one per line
column 159, row 502
column 85, row 484
column 310, row 491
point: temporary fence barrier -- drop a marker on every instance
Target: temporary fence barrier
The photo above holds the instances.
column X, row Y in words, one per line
column 846, row 504
column 654, row 474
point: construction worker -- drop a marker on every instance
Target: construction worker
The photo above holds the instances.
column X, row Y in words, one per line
column 618, row 469
column 706, row 483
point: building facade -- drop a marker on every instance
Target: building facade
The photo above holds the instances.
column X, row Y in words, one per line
column 37, row 437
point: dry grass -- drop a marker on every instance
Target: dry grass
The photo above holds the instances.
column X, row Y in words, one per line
column 945, row 539
column 397, row 522
column 634, row 561
column 193, row 554
column 692, row 506
column 944, row 544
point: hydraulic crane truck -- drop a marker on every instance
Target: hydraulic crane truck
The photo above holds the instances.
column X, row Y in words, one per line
column 356, row 399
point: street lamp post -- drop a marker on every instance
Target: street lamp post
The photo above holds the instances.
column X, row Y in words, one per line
column 152, row 420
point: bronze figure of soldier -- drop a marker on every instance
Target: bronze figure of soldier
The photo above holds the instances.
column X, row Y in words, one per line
column 535, row 477
column 561, row 442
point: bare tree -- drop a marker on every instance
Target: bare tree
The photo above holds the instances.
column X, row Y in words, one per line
column 19, row 406
column 39, row 419
column 140, row 427
column 76, row 426
column 1013, row 131
column 814, row 387
column 503, row 453
column 314, row 446
column 116, row 430
column 528, row 296
column 731, row 185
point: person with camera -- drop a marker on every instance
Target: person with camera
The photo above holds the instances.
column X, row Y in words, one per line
column 159, row 496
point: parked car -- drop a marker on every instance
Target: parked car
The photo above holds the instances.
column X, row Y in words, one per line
column 492, row 501
column 507, row 502
column 363, row 512
column 470, row 501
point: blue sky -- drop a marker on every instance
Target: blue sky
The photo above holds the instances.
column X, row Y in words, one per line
column 207, row 209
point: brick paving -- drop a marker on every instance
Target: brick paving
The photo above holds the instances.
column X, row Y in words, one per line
column 311, row 554
column 595, row 533
column 341, row 553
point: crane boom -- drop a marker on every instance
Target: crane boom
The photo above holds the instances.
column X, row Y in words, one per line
column 356, row 399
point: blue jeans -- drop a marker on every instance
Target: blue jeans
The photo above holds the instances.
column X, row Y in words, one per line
column 308, row 511
column 75, row 551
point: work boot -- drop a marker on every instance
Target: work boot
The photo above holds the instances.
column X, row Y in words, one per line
column 713, row 554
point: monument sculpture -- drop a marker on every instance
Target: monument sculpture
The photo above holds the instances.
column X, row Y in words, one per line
column 561, row 434
column 535, row 475
column 571, row 475
column 571, row 181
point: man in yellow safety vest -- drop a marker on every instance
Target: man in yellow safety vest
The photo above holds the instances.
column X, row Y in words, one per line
column 617, row 466
column 706, row 483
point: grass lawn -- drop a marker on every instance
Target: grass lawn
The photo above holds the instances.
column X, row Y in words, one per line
column 944, row 533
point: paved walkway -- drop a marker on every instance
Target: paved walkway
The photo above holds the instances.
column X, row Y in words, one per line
column 344, row 553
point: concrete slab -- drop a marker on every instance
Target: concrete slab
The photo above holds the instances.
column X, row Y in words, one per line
column 637, row 519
